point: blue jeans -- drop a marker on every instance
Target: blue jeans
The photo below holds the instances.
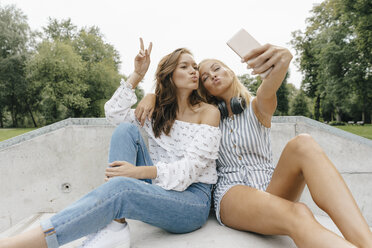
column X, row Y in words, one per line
column 123, row 197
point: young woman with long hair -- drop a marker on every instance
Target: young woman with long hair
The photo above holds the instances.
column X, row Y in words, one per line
column 253, row 194
column 168, row 186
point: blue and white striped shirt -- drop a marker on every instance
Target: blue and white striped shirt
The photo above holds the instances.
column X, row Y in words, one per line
column 245, row 154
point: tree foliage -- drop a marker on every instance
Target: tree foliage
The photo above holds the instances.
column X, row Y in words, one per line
column 335, row 57
column 253, row 83
column 15, row 44
column 282, row 98
column 299, row 105
column 59, row 70
column 101, row 63
column 70, row 72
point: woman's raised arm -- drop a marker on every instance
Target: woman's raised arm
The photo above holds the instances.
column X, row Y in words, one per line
column 260, row 60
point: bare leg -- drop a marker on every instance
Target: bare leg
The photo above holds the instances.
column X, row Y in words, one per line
column 303, row 161
column 32, row 239
column 249, row 209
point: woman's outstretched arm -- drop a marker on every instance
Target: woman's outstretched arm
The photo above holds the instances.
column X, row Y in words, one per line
column 260, row 60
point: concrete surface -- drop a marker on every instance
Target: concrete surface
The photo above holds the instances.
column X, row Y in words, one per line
column 210, row 235
column 46, row 169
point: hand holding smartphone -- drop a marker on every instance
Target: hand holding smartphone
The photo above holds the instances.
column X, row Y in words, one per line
column 242, row 43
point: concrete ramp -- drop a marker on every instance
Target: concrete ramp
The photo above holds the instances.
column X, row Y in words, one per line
column 45, row 170
column 210, row 235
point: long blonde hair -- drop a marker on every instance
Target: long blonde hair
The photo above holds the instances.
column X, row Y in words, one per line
column 239, row 90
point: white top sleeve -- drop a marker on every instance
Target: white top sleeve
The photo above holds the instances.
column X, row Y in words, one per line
column 198, row 161
column 118, row 108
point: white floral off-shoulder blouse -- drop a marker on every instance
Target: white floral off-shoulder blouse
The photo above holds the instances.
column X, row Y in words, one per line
column 184, row 157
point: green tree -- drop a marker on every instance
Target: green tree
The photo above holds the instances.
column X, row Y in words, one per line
column 82, row 65
column 58, row 68
column 16, row 39
column 334, row 56
column 299, row 105
column 253, row 83
column 101, row 62
column 63, row 30
column 292, row 92
column 358, row 15
column 282, row 98
column 13, row 83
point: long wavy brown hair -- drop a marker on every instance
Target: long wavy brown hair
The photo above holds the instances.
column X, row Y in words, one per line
column 166, row 106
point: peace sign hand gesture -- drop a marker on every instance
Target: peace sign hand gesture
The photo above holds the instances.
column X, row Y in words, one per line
column 142, row 60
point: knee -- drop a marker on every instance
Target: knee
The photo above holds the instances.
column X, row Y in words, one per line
column 120, row 183
column 106, row 190
column 301, row 210
column 303, row 144
column 301, row 215
column 118, row 187
column 125, row 129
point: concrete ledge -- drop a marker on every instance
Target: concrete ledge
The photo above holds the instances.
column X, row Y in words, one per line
column 50, row 128
column 301, row 120
column 48, row 168
column 298, row 120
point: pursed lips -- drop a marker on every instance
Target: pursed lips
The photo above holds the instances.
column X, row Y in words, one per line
column 216, row 80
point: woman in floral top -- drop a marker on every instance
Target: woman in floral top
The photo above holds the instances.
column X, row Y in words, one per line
column 168, row 186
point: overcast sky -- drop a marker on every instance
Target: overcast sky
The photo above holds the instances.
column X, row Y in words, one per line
column 203, row 26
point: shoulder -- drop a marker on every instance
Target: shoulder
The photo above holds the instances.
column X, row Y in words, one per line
column 210, row 115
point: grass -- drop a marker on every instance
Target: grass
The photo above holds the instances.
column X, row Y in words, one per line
column 364, row 131
column 7, row 133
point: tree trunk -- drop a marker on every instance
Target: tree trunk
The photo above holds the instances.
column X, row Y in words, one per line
column 317, row 108
column 338, row 116
column 14, row 117
column 1, row 120
column 32, row 116
column 363, row 116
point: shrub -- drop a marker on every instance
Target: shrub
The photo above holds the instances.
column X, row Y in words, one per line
column 336, row 123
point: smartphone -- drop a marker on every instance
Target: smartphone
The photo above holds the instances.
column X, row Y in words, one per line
column 242, row 43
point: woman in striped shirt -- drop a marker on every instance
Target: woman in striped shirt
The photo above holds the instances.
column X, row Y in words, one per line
column 254, row 195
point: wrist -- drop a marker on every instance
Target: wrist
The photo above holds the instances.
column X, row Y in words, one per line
column 135, row 78
column 146, row 172
column 138, row 75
